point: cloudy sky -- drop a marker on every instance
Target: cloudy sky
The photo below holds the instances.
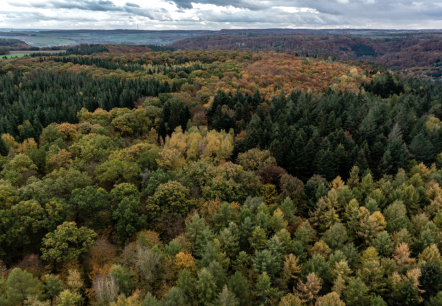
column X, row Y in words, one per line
column 220, row 14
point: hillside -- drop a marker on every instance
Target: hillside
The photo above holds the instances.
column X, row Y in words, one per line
column 217, row 177
column 75, row 37
column 411, row 54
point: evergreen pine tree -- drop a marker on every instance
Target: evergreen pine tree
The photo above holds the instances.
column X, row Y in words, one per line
column 3, row 148
column 405, row 294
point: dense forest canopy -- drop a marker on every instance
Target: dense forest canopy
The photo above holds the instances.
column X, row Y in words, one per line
column 221, row 177
column 411, row 54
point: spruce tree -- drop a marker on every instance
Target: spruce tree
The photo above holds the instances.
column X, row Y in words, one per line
column 3, row 148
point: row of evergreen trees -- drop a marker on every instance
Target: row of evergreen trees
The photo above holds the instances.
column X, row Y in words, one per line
column 32, row 101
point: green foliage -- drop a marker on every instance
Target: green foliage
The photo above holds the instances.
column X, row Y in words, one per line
column 20, row 285
column 206, row 286
column 67, row 242
column 405, row 294
column 172, row 197
column 127, row 217
column 356, row 293
column 245, row 215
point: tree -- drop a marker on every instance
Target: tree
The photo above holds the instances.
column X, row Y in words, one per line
column 336, row 236
column 52, row 286
column 3, row 148
column 430, row 279
column 129, row 221
column 187, row 285
column 147, row 262
column 290, row 300
column 116, row 171
column 171, row 196
column 308, row 291
column 378, row 301
column 293, row 188
column 383, row 244
column 227, row 298
column 123, row 277
column 264, row 292
column 150, row 300
column 238, row 285
column 435, row 300
column 405, row 294
column 21, row 285
column 90, row 202
column 206, row 287
column 356, row 293
column 69, row 298
column 174, row 297
column 265, row 261
column 67, row 242
column 331, row 299
column 258, row 239
column 224, row 217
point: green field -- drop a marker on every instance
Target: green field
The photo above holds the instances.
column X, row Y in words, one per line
column 15, row 54
column 12, row 56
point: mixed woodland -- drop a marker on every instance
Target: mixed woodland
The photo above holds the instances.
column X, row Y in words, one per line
column 220, row 177
column 412, row 54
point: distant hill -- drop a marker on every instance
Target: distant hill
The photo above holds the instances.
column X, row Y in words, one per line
column 411, row 53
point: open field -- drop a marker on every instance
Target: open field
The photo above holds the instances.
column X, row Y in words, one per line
column 24, row 53
column 32, row 52
column 12, row 55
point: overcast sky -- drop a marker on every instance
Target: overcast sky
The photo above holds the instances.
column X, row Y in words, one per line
column 220, row 14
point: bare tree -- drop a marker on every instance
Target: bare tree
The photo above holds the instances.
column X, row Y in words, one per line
column 106, row 289
column 147, row 262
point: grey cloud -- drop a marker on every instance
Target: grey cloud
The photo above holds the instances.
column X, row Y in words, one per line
column 253, row 13
column 100, row 5
column 253, row 5
column 132, row 4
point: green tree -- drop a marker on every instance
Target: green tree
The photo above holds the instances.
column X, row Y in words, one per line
column 150, row 300
column 378, row 301
column 383, row 244
column 431, row 279
column 435, row 300
column 69, row 298
column 336, row 236
column 265, row 294
column 266, row 262
column 356, row 293
column 123, row 276
column 21, row 285
column 224, row 217
column 3, row 148
column 258, row 239
column 129, row 220
column 227, row 298
column 90, row 201
column 206, row 287
column 116, row 171
column 171, row 196
column 52, row 286
column 187, row 285
column 405, row 294
column 67, row 242
column 218, row 273
column 239, row 286
column 174, row 297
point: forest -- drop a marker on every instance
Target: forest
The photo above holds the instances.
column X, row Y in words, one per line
column 411, row 54
column 131, row 176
